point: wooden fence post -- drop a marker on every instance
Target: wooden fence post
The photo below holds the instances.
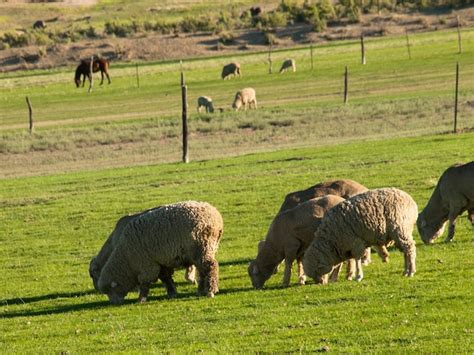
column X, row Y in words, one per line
column 30, row 109
column 456, row 99
column 311, row 52
column 91, row 79
column 138, row 77
column 362, row 49
column 459, row 35
column 184, row 97
column 270, row 58
column 408, row 43
column 346, row 79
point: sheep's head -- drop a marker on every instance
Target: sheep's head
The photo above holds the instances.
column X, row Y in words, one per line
column 78, row 82
column 257, row 275
column 211, row 107
column 114, row 291
column 429, row 232
column 94, row 272
column 237, row 102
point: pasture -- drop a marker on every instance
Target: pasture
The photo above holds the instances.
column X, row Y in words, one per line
column 95, row 157
column 56, row 223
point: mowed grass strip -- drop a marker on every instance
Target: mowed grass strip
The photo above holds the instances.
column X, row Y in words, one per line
column 56, row 223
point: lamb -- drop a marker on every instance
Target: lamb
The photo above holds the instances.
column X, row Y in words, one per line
column 98, row 261
column 375, row 217
column 230, row 69
column 206, row 103
column 154, row 243
column 453, row 195
column 287, row 64
column 289, row 235
column 245, row 97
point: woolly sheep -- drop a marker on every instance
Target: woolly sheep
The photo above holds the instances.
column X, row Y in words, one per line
column 453, row 195
column 206, row 103
column 345, row 188
column 372, row 218
column 287, row 64
column 289, row 235
column 97, row 262
column 155, row 243
column 245, row 97
column 230, row 69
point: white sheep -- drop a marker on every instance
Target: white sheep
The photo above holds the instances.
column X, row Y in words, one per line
column 287, row 64
column 230, row 69
column 206, row 103
column 154, row 243
column 97, row 262
column 289, row 235
column 372, row 218
column 453, row 195
column 245, row 98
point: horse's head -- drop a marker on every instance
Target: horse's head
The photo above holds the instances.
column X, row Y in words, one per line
column 78, row 82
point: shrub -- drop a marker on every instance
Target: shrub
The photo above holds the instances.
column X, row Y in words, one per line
column 193, row 24
column 15, row 39
column 118, row 29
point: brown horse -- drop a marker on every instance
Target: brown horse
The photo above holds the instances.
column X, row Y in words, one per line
column 85, row 67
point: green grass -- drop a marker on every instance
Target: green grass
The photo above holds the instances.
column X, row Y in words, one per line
column 389, row 96
column 52, row 225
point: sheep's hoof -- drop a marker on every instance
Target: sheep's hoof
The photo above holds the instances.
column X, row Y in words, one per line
column 359, row 278
column 210, row 295
column 349, row 278
column 448, row 240
column 302, row 281
column 142, row 300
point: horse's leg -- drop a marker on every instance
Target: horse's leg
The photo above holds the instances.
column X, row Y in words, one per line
column 102, row 77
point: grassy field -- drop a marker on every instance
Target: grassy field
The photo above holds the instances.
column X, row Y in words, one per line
column 56, row 223
column 122, row 125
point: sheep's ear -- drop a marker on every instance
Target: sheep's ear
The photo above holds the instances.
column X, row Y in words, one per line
column 113, row 284
column 255, row 269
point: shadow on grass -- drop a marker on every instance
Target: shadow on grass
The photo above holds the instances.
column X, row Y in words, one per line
column 51, row 296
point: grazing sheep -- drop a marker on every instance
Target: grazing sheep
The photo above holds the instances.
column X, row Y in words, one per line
column 245, row 97
column 375, row 217
column 287, row 64
column 154, row 243
column 98, row 261
column 230, row 69
column 453, row 195
column 206, row 103
column 289, row 235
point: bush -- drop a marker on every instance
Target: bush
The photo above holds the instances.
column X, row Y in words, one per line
column 193, row 24
column 118, row 29
column 272, row 20
column 15, row 39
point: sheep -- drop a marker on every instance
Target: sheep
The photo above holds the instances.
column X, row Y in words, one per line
column 289, row 235
column 154, row 243
column 245, row 97
column 287, row 64
column 231, row 69
column 97, row 262
column 206, row 103
column 345, row 188
column 371, row 218
column 453, row 194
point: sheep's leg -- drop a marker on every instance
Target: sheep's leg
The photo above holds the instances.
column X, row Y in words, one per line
column 335, row 272
column 383, row 252
column 470, row 216
column 351, row 271
column 102, row 77
column 359, row 271
column 108, row 77
column 255, row 103
column 452, row 224
column 301, row 275
column 367, row 258
column 208, row 277
column 166, row 276
column 408, row 249
column 287, row 275
column 190, row 274
column 144, row 290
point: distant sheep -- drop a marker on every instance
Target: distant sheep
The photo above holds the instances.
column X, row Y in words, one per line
column 156, row 242
column 375, row 217
column 97, row 262
column 230, row 69
column 245, row 97
column 453, row 195
column 289, row 235
column 206, row 103
column 287, row 64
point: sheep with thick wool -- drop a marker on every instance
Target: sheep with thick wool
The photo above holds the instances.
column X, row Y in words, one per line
column 230, row 69
column 97, row 262
column 373, row 218
column 245, row 97
column 206, row 103
column 289, row 235
column 287, row 64
column 153, row 244
column 454, row 194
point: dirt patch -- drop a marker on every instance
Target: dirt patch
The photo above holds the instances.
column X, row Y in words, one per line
column 154, row 47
